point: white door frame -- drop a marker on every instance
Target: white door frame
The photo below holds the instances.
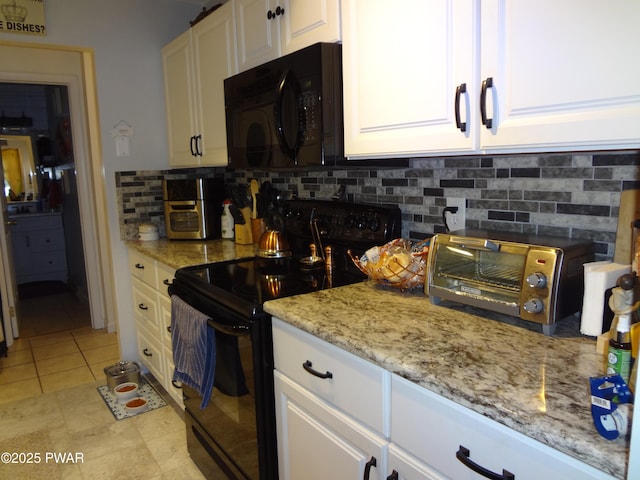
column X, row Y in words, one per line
column 90, row 173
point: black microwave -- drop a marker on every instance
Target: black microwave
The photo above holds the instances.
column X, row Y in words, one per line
column 288, row 112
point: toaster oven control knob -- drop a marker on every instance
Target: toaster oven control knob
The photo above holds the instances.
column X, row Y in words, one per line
column 537, row 280
column 533, row 305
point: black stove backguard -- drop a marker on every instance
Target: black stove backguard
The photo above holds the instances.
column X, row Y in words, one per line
column 341, row 225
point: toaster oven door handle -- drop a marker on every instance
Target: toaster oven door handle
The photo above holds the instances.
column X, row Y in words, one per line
column 476, row 243
column 182, row 205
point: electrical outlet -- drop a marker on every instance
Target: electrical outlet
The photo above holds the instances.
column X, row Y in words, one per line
column 456, row 221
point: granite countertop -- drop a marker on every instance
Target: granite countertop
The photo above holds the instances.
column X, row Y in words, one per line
column 499, row 366
column 183, row 253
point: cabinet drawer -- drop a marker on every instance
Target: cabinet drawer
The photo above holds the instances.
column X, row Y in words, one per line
column 146, row 307
column 164, row 277
column 356, row 387
column 47, row 262
column 433, row 429
column 142, row 267
column 46, row 240
column 150, row 353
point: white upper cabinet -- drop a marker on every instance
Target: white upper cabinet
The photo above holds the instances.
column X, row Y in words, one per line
column 195, row 66
column 402, row 68
column 564, row 74
column 556, row 76
column 268, row 29
column 179, row 99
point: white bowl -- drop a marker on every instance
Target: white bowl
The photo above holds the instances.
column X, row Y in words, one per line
column 125, row 391
column 137, row 404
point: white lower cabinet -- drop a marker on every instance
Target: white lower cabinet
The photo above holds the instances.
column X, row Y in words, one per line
column 337, row 415
column 317, row 441
column 330, row 408
column 152, row 307
column 39, row 250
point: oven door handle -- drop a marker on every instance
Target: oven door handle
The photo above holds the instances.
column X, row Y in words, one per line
column 291, row 150
column 476, row 243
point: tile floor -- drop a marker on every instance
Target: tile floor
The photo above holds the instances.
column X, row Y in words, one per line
column 49, row 403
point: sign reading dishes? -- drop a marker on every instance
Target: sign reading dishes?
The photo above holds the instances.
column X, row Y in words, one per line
column 22, row 16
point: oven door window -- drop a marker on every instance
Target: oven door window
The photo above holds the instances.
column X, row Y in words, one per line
column 482, row 273
column 230, row 416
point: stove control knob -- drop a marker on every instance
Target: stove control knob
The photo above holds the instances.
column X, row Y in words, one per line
column 374, row 224
column 533, row 305
column 350, row 221
column 537, row 280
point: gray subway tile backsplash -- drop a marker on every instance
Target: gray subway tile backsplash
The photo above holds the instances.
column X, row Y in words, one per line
column 570, row 195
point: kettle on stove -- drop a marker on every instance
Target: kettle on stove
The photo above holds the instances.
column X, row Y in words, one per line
column 273, row 242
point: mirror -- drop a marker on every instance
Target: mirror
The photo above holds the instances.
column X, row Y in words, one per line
column 20, row 183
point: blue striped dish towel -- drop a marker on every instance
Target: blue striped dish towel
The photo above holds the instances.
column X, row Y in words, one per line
column 194, row 348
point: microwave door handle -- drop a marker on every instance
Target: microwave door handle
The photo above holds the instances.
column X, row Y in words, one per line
column 476, row 243
column 290, row 150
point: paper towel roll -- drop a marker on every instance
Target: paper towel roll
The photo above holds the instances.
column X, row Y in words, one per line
column 598, row 277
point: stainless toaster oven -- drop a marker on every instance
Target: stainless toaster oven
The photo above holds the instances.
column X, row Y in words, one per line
column 192, row 207
column 536, row 278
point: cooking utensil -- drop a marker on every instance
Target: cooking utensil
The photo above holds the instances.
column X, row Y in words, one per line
column 254, row 187
column 628, row 212
column 262, row 205
column 238, row 218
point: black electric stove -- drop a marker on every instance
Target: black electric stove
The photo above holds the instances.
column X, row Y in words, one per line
column 235, row 435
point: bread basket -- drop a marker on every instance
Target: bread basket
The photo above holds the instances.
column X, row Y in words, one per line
column 397, row 264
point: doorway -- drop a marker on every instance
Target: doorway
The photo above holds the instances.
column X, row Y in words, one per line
column 42, row 194
column 73, row 68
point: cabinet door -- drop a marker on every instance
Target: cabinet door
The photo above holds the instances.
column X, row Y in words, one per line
column 402, row 65
column 214, row 59
column 180, row 101
column 307, row 22
column 258, row 36
column 564, row 75
column 316, row 441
